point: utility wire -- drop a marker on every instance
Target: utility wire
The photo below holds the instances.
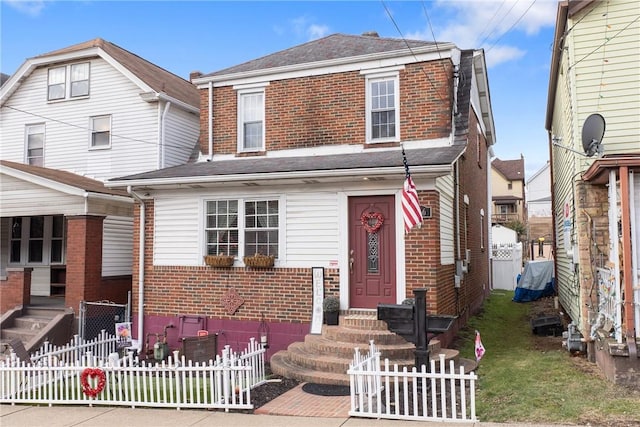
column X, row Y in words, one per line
column 491, row 20
column 498, row 24
column 89, row 129
column 514, row 24
column 424, row 8
column 411, row 50
column 604, row 43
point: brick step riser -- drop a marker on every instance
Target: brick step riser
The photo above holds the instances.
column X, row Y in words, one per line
column 42, row 313
column 363, row 323
column 308, row 376
column 347, row 352
column 361, row 336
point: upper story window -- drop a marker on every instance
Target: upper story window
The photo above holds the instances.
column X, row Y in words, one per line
column 510, row 185
column 100, row 132
column 34, row 135
column 69, row 81
column 242, row 227
column 251, row 128
column 383, row 108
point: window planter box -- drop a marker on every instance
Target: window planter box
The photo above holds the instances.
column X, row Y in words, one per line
column 259, row 261
column 220, row 261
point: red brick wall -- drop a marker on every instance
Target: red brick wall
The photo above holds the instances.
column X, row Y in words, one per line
column 473, row 182
column 330, row 109
column 84, row 265
column 16, row 289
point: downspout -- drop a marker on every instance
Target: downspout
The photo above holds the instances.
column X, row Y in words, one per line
column 210, row 154
column 163, row 120
column 140, row 269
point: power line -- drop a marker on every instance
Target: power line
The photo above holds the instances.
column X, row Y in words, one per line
column 411, row 50
column 498, row 24
column 514, row 24
column 604, row 43
column 490, row 20
column 435, row 41
column 89, row 129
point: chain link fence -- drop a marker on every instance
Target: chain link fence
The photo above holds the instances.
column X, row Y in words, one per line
column 96, row 316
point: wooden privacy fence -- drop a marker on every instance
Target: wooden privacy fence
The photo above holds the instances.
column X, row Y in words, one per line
column 384, row 392
column 225, row 382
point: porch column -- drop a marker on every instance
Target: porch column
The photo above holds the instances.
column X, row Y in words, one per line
column 16, row 290
column 84, row 259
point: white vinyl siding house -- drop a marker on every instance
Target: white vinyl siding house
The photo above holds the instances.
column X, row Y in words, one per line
column 597, row 73
column 444, row 185
column 117, row 246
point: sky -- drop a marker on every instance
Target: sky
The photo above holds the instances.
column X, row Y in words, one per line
column 209, row 35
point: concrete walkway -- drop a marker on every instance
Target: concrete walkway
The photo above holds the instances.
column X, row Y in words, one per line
column 59, row 416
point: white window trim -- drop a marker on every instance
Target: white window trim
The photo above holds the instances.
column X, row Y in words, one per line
column 26, row 140
column 67, row 83
column 241, row 224
column 100, row 147
column 46, row 243
column 395, row 76
column 240, row 93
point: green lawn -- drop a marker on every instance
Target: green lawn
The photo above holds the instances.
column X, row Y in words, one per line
column 519, row 382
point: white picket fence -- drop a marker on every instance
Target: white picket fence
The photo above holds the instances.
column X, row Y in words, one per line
column 385, row 392
column 225, row 382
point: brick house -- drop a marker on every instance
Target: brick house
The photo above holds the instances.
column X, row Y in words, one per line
column 70, row 120
column 301, row 159
column 594, row 140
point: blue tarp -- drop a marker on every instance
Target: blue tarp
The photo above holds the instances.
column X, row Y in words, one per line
column 535, row 282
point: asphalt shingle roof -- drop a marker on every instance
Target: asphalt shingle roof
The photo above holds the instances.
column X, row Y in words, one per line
column 335, row 46
column 266, row 165
column 63, row 177
column 513, row 170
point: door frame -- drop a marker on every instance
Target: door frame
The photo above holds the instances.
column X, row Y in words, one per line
column 343, row 250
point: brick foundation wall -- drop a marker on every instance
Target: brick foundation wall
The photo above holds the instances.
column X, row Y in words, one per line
column 15, row 291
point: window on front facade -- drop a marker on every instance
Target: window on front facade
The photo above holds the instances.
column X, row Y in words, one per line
column 382, row 109
column 510, row 186
column 35, row 145
column 57, row 87
column 261, row 227
column 222, row 227
column 251, row 121
column 100, row 132
column 77, row 77
column 37, row 240
column 242, row 227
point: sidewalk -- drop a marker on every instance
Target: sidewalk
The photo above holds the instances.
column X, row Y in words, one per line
column 59, row 416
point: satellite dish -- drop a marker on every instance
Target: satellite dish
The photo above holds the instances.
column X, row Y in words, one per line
column 592, row 133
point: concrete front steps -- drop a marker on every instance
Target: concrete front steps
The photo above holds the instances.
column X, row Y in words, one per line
column 34, row 325
column 325, row 358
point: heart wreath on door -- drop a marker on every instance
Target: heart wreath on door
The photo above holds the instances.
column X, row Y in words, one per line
column 371, row 221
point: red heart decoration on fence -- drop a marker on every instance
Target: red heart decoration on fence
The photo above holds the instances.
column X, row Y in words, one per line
column 92, row 373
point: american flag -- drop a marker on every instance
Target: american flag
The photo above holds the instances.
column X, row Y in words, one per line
column 410, row 203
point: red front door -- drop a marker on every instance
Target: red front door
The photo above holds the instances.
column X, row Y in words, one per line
column 372, row 256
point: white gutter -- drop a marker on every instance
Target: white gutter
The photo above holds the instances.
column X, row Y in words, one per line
column 140, row 270
column 210, row 157
column 163, row 120
column 351, row 173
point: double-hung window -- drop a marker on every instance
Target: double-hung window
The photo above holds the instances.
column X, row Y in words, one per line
column 251, row 127
column 100, row 132
column 68, row 81
column 242, row 227
column 35, row 144
column 383, row 108
column 37, row 240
